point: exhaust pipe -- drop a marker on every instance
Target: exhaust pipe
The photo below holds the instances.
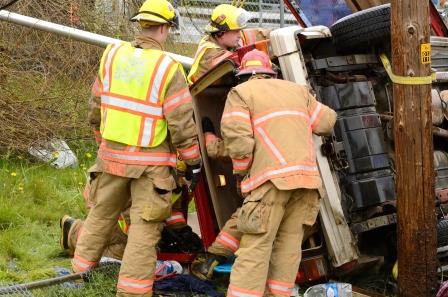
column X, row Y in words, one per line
column 76, row 34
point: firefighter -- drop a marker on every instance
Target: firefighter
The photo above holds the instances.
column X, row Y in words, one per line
column 223, row 36
column 142, row 108
column 212, row 49
column 114, row 248
column 267, row 127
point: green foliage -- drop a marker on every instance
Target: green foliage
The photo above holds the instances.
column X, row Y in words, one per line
column 33, row 198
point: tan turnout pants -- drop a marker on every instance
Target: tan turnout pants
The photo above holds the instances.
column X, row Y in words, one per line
column 151, row 205
column 114, row 247
column 117, row 241
column 272, row 222
column 228, row 240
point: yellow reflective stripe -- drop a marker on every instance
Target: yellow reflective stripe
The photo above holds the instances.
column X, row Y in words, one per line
column 253, row 63
column 132, row 106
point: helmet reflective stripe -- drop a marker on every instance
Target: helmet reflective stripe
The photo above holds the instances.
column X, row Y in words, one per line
column 255, row 62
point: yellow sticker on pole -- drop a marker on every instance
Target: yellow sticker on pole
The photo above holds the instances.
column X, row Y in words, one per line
column 425, row 53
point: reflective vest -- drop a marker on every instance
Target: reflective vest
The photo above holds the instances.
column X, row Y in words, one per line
column 123, row 225
column 204, row 45
column 134, row 83
column 248, row 36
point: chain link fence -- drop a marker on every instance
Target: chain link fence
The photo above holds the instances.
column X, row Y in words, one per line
column 195, row 14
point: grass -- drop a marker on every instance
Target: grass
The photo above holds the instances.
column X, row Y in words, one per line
column 33, row 196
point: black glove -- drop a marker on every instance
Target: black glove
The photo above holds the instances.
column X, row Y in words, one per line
column 207, row 125
column 238, row 179
column 192, row 174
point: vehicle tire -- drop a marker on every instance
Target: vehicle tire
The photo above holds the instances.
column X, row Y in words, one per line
column 363, row 30
column 442, row 233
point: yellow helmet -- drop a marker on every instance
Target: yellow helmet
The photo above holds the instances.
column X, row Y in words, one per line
column 226, row 17
column 156, row 12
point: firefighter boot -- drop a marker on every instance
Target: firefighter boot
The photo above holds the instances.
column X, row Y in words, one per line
column 65, row 223
column 202, row 267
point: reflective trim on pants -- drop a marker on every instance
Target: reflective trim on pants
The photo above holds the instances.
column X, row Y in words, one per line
column 80, row 264
column 228, row 240
column 279, row 288
column 238, row 292
column 134, row 285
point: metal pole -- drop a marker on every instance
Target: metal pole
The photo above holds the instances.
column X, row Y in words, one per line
column 41, row 284
column 260, row 14
column 76, row 34
column 282, row 14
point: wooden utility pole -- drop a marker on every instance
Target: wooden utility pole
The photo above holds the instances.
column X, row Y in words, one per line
column 413, row 150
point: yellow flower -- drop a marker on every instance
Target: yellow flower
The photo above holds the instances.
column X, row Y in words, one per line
column 55, row 154
column 80, row 183
column 13, row 174
column 20, row 188
column 88, row 155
